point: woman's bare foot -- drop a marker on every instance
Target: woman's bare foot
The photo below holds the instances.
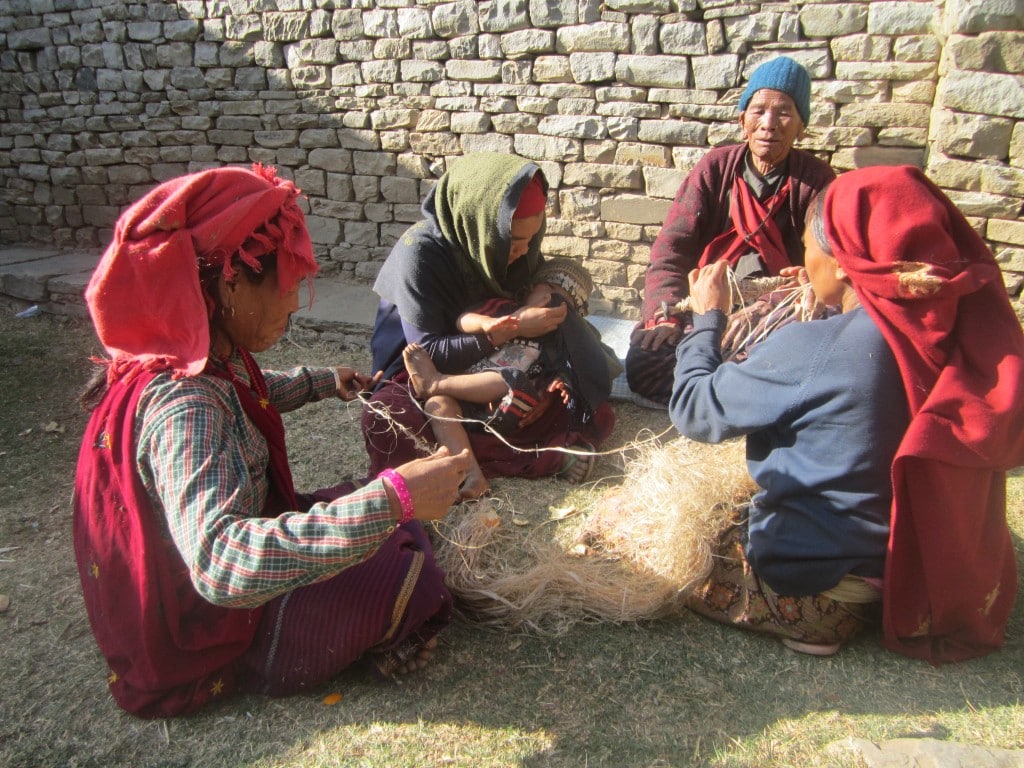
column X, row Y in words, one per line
column 578, row 466
column 475, row 485
column 419, row 659
column 422, row 372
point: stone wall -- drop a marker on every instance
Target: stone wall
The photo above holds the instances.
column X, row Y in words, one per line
column 365, row 103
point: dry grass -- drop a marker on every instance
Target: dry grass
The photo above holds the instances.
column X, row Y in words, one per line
column 622, row 554
column 677, row 691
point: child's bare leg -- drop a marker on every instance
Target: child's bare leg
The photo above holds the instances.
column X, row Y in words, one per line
column 451, row 434
column 427, row 381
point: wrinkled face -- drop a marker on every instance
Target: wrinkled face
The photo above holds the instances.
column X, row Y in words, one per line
column 261, row 311
column 821, row 270
column 770, row 123
column 523, row 231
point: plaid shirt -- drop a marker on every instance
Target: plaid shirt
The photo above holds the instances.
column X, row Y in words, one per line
column 205, row 465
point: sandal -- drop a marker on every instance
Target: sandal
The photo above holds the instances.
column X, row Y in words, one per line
column 572, row 459
column 811, row 649
column 385, row 664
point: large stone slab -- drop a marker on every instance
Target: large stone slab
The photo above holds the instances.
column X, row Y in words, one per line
column 338, row 305
column 28, row 279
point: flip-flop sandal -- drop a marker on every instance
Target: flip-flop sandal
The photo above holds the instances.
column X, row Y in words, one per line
column 384, row 664
column 811, row 649
column 571, row 461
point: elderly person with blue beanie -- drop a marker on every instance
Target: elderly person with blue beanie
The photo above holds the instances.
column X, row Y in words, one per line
column 744, row 204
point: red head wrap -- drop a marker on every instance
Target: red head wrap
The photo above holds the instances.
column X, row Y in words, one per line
column 532, row 200
column 936, row 293
column 145, row 298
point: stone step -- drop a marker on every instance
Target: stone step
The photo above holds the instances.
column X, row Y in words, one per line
column 55, row 281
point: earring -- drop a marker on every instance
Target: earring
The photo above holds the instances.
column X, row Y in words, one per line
column 224, row 311
column 840, row 273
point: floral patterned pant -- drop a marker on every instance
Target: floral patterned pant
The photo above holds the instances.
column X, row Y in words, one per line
column 733, row 594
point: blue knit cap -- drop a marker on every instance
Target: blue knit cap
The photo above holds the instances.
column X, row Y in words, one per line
column 782, row 74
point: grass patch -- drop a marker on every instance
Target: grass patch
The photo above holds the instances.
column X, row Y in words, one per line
column 674, row 692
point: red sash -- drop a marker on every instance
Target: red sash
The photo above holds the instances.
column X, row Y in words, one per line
column 753, row 229
column 255, row 400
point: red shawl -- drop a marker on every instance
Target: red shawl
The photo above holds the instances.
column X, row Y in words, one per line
column 753, row 229
column 933, row 288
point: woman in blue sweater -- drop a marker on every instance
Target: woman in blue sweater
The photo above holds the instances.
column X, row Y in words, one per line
column 840, row 413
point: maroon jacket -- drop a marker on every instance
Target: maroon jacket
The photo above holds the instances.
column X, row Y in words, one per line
column 700, row 213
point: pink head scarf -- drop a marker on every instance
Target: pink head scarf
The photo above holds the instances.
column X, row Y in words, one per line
column 145, row 297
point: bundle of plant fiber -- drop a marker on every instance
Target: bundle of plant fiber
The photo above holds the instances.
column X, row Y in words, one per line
column 629, row 558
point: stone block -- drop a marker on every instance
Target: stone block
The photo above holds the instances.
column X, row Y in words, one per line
column 455, row 19
column 904, row 17
column 917, row 48
column 528, row 42
column 504, row 15
column 875, row 115
column 470, row 122
column 331, row 160
column 602, row 175
column 1004, row 231
column 573, row 127
column 601, row 37
column 486, row 142
column 861, row 48
column 663, row 182
column 436, row 144
column 862, row 157
column 657, row 71
column 683, row 37
column 514, row 123
column 627, row 153
column 643, row 31
column 556, row 149
column 672, row 132
column 974, row 16
column 983, row 93
column 554, row 13
column 715, row 72
column 414, row 23
column 979, row 136
column 592, row 67
column 885, row 70
column 474, row 71
column 569, row 247
column 985, row 205
column 833, row 19
column 640, row 6
column 903, row 137
column 746, row 28
column 1011, row 259
column 634, row 209
column 579, row 204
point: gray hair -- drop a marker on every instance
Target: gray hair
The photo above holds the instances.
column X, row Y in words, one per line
column 816, row 220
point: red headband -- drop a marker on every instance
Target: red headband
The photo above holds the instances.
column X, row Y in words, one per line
column 532, row 200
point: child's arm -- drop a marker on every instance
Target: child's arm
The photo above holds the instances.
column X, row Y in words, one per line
column 472, row 322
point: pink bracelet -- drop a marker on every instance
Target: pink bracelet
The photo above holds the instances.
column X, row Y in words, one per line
column 402, row 491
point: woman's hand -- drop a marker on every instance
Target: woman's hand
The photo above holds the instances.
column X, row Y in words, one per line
column 709, row 288
column 433, row 483
column 538, row 321
column 350, row 383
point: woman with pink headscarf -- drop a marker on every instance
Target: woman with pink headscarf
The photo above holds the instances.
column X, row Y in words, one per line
column 203, row 570
column 880, row 437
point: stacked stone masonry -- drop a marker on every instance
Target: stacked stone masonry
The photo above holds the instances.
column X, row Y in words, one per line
column 365, row 104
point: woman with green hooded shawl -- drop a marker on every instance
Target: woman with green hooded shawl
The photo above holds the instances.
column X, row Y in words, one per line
column 473, row 244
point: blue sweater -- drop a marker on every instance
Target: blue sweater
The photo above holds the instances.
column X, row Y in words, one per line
column 823, row 408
